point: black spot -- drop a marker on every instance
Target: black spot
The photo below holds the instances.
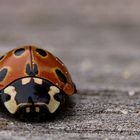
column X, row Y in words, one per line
column 42, row 52
column 1, row 57
column 28, row 69
column 19, row 51
column 61, row 76
column 32, row 71
column 3, row 74
column 35, row 69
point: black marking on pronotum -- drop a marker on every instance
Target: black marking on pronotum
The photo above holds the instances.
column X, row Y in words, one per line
column 6, row 97
column 59, row 97
column 32, row 71
column 42, row 52
column 30, row 100
column 32, row 92
column 3, row 73
column 61, row 76
column 19, row 51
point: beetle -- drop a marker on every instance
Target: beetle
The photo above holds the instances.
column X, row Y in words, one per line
column 33, row 81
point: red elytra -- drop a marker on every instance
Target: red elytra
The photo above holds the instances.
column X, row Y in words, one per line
column 17, row 63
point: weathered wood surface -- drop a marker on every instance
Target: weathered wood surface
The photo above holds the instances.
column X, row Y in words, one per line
column 99, row 42
column 91, row 114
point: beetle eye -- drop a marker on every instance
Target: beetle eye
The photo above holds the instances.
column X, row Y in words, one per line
column 61, row 76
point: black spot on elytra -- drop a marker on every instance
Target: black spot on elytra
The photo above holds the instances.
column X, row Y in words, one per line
column 3, row 74
column 32, row 71
column 41, row 52
column 19, row 51
column 1, row 57
column 61, row 76
column 35, row 69
column 28, row 69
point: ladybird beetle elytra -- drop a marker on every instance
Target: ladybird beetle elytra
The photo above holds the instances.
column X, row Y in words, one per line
column 32, row 80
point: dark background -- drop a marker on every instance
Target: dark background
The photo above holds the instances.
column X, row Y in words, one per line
column 99, row 41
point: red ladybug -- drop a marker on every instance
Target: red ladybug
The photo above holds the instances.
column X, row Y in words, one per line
column 32, row 80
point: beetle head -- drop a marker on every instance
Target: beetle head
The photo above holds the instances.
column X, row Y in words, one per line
column 32, row 95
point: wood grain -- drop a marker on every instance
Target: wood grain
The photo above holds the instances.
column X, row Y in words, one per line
column 88, row 115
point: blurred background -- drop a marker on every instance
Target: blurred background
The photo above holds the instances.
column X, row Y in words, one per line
column 98, row 40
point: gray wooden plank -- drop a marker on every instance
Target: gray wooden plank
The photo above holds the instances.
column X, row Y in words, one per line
column 87, row 115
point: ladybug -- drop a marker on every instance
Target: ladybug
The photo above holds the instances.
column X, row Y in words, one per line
column 33, row 81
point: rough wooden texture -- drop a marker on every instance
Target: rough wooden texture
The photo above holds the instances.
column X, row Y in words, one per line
column 91, row 114
column 99, row 42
